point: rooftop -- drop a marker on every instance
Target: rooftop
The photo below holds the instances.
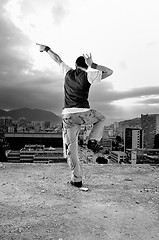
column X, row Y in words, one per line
column 38, row 203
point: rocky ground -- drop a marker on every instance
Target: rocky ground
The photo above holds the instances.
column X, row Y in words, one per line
column 37, row 203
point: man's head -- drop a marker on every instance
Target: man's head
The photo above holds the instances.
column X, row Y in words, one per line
column 80, row 62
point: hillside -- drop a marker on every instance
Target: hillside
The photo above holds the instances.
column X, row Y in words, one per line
column 31, row 115
column 135, row 122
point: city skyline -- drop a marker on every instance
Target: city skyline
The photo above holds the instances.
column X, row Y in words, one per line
column 120, row 34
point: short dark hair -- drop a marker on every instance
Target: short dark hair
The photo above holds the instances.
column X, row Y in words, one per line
column 80, row 62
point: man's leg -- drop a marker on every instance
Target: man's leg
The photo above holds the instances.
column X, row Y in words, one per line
column 70, row 135
column 97, row 120
column 92, row 117
column 97, row 130
column 71, row 128
column 98, row 126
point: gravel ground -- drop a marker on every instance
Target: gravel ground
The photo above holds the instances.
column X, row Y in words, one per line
column 36, row 202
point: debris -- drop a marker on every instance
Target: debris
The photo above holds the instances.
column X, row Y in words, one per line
column 2, row 165
column 44, row 177
column 128, row 179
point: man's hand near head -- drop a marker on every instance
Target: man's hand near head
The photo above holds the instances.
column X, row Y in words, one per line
column 88, row 59
column 106, row 72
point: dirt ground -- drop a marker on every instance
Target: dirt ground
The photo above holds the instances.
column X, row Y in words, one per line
column 37, row 203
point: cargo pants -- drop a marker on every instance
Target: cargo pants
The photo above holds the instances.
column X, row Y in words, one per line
column 71, row 127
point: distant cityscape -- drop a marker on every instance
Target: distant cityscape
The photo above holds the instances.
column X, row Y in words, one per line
column 9, row 125
column 124, row 141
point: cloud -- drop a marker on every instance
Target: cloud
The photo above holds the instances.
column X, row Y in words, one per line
column 133, row 93
column 120, row 105
column 150, row 100
column 59, row 11
column 123, row 65
column 13, row 46
column 31, row 95
column 20, row 85
column 151, row 44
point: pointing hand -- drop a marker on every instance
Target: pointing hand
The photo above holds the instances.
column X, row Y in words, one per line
column 42, row 47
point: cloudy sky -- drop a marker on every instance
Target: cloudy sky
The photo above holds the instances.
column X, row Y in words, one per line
column 121, row 34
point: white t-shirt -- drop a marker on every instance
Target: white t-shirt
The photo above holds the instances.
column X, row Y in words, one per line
column 92, row 76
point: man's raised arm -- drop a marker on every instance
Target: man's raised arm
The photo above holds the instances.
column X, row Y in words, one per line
column 106, row 72
column 52, row 54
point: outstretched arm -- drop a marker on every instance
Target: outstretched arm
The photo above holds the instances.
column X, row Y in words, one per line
column 52, row 54
column 106, row 72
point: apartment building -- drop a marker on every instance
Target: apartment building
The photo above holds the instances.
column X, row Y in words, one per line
column 133, row 138
column 150, row 126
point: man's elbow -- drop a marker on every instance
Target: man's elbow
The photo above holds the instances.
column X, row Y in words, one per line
column 107, row 74
column 110, row 72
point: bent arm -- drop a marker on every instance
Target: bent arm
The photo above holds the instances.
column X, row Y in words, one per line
column 106, row 72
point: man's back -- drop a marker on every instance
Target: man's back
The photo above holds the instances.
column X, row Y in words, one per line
column 76, row 89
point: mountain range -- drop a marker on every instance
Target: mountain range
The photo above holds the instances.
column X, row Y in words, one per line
column 130, row 123
column 43, row 115
column 31, row 115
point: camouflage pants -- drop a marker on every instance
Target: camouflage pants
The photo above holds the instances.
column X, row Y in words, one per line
column 71, row 128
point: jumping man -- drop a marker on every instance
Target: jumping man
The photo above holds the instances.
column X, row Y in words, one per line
column 77, row 111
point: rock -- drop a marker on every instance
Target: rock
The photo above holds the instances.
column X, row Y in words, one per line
column 128, row 179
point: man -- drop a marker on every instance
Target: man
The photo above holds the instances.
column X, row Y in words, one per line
column 77, row 110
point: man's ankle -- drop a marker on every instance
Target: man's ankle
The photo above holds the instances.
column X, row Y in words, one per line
column 93, row 145
column 76, row 184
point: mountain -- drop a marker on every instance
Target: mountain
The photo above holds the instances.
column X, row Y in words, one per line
column 2, row 113
column 31, row 115
column 135, row 122
column 130, row 123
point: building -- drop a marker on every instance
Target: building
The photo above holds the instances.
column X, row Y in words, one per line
column 143, row 155
column 6, row 121
column 36, row 154
column 22, row 122
column 150, row 125
column 106, row 143
column 118, row 156
column 18, row 140
column 133, row 138
column 107, row 132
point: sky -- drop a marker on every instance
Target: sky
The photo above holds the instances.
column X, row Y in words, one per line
column 120, row 34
